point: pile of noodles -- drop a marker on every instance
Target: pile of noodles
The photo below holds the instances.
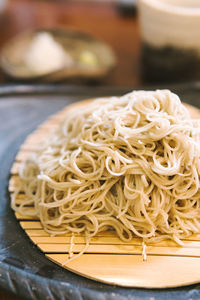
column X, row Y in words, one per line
column 130, row 164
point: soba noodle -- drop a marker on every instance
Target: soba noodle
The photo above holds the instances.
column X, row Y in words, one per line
column 130, row 164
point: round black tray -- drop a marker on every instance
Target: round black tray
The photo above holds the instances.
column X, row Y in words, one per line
column 24, row 270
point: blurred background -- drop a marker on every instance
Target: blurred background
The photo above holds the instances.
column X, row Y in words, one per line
column 123, row 43
column 113, row 22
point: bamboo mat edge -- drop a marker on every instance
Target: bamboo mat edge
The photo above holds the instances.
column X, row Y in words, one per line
column 30, row 147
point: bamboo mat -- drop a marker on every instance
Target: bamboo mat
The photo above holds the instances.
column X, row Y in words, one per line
column 107, row 258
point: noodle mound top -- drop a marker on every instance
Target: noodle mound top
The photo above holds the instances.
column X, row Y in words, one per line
column 129, row 163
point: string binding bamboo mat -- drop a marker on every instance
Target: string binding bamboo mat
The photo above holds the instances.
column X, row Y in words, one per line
column 108, row 259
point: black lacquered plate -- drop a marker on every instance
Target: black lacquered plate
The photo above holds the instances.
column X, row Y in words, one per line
column 24, row 270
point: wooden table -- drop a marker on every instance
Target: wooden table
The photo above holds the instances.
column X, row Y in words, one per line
column 100, row 19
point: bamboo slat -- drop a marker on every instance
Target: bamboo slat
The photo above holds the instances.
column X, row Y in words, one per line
column 24, row 217
column 14, row 184
column 30, row 225
column 131, row 270
column 120, row 249
column 107, row 258
column 23, row 155
column 106, row 240
column 15, row 168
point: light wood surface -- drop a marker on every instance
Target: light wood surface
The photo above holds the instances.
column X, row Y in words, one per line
column 107, row 258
